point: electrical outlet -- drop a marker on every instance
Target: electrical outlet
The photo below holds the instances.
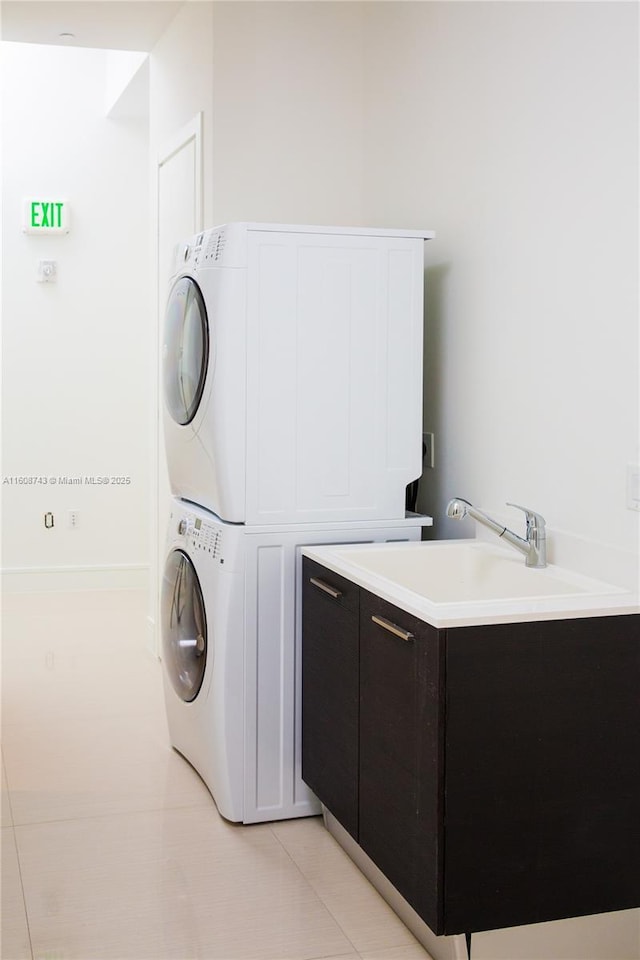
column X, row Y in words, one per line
column 74, row 519
column 47, row 271
column 428, row 459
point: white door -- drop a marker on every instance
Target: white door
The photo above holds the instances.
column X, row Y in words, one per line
column 179, row 217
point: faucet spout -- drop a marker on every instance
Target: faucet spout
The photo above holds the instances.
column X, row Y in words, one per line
column 533, row 546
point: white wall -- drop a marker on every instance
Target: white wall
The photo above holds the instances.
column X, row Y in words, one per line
column 75, row 353
column 181, row 86
column 280, row 87
column 122, row 67
column 511, row 129
column 288, row 112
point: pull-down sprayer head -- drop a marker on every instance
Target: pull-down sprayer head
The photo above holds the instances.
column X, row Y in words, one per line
column 457, row 508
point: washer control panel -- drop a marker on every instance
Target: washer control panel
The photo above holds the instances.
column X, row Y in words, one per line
column 202, row 535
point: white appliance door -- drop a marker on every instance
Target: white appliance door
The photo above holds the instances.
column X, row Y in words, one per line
column 184, row 626
column 185, row 351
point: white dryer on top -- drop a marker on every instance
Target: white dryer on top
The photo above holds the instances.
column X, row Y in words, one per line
column 292, row 372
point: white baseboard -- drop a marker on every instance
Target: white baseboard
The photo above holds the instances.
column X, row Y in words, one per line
column 51, row 579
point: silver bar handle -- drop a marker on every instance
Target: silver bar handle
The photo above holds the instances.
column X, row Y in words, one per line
column 393, row 628
column 327, row 588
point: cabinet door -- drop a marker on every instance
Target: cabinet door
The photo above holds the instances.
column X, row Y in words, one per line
column 543, row 776
column 330, row 691
column 400, row 752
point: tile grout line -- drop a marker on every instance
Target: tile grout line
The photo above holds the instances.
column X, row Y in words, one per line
column 6, row 780
column 323, row 956
column 17, row 850
column 369, row 883
column 111, row 815
column 24, row 899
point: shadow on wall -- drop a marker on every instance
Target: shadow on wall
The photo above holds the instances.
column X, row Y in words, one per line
column 432, row 492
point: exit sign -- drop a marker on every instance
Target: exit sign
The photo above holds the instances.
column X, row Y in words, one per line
column 46, row 216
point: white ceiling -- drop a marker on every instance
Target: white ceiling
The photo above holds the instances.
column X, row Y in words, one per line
column 109, row 24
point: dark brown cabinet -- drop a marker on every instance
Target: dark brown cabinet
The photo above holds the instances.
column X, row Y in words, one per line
column 491, row 772
column 330, row 692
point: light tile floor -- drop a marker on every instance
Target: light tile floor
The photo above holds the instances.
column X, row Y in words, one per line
column 112, row 846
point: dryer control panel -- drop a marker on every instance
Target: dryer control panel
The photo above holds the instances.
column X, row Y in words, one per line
column 224, row 246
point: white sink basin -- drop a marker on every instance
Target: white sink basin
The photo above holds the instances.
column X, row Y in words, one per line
column 460, row 582
column 462, row 572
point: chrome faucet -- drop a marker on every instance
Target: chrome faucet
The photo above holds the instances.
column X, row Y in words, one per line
column 534, row 546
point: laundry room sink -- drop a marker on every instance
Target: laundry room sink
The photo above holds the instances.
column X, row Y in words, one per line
column 467, row 581
column 461, row 571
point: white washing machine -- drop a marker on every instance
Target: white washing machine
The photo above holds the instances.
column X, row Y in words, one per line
column 231, row 654
column 202, row 623
column 292, row 372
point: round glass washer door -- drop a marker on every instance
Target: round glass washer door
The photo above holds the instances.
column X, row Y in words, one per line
column 186, row 350
column 184, row 626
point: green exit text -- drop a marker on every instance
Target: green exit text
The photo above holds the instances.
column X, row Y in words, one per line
column 46, row 215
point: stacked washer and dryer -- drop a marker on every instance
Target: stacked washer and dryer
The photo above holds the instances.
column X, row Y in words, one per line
column 292, row 375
